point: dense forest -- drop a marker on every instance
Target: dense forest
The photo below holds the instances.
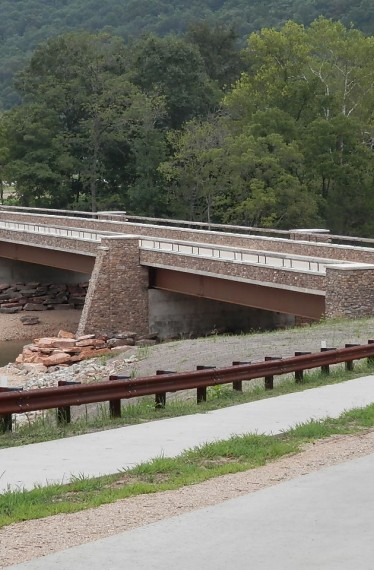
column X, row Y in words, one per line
column 273, row 129
column 26, row 23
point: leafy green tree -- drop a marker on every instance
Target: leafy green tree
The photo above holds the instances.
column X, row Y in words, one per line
column 314, row 86
column 196, row 172
column 34, row 156
column 173, row 68
column 238, row 178
column 218, row 46
column 89, row 111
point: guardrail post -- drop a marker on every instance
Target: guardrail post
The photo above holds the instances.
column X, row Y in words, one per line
column 349, row 363
column 6, row 420
column 269, row 380
column 299, row 374
column 370, row 359
column 64, row 412
column 238, row 386
column 160, row 399
column 325, row 369
column 201, row 392
column 115, row 405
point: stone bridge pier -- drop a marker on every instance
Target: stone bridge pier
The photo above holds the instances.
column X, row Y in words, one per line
column 117, row 296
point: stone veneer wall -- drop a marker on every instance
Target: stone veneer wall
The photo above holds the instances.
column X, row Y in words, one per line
column 288, row 277
column 117, row 297
column 291, row 246
column 349, row 291
column 63, row 243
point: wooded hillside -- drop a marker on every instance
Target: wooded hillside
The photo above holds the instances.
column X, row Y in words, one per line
column 26, row 23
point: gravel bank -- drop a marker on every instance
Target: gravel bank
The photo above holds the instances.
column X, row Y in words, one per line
column 181, row 355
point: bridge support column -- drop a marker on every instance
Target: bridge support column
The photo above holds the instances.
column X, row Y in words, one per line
column 350, row 290
column 117, row 296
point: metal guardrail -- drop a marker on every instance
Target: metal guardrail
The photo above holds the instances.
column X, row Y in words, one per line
column 62, row 397
column 239, row 255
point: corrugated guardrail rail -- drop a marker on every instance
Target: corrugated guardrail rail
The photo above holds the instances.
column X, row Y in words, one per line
column 17, row 401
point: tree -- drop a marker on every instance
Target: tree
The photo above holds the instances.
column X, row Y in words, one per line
column 88, row 110
column 196, row 172
column 35, row 157
column 314, row 86
column 218, row 46
column 236, row 178
column 173, row 68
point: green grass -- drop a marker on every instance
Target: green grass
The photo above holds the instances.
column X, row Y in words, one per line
column 191, row 467
column 219, row 396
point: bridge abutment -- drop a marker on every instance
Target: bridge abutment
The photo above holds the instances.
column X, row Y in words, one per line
column 349, row 291
column 174, row 315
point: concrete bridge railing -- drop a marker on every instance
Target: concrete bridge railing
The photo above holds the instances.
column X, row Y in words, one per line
column 238, row 255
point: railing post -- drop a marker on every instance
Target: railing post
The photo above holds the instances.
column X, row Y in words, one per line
column 201, row 392
column 370, row 360
column 160, row 399
column 64, row 412
column 325, row 368
column 269, row 380
column 349, row 363
column 115, row 405
column 299, row 374
column 6, row 420
column 238, row 385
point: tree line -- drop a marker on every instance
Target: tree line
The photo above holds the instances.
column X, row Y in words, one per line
column 276, row 134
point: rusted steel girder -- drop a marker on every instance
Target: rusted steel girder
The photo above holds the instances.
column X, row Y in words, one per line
column 48, row 398
column 50, row 257
column 291, row 302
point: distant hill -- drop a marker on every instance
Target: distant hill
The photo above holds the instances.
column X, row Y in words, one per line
column 26, row 23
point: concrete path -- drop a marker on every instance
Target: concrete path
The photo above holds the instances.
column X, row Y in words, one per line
column 112, row 450
column 321, row 521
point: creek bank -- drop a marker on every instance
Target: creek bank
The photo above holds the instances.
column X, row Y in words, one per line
column 36, row 296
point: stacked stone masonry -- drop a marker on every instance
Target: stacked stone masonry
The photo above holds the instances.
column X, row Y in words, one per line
column 349, row 293
column 117, row 296
column 289, row 278
column 280, row 245
column 36, row 297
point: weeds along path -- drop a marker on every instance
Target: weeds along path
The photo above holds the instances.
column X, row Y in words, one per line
column 31, row 539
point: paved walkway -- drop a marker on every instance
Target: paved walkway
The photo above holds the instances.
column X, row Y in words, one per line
column 112, row 450
column 320, row 521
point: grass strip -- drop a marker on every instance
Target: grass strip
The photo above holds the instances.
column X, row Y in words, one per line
column 45, row 428
column 193, row 466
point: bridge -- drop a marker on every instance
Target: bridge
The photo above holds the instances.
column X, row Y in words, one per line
column 132, row 263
